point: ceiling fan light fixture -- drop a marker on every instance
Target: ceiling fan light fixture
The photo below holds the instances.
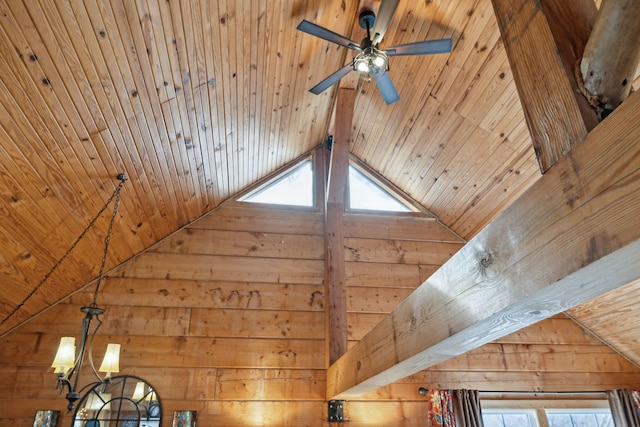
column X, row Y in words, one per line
column 362, row 64
column 380, row 61
column 371, row 61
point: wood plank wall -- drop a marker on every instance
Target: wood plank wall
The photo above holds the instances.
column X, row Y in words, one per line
column 226, row 317
column 387, row 257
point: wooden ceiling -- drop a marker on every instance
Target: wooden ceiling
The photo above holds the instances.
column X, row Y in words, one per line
column 196, row 101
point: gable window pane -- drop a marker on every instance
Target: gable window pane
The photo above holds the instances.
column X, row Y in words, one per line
column 366, row 194
column 294, row 188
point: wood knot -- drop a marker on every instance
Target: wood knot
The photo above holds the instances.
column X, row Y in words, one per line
column 488, row 267
column 413, row 323
column 486, row 259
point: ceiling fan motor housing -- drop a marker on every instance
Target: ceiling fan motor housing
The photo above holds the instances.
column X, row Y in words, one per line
column 366, row 20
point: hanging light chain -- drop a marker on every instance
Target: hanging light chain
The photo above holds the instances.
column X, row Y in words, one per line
column 107, row 238
column 116, row 195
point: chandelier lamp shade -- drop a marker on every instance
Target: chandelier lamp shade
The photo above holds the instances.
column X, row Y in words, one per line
column 70, row 358
column 145, row 397
column 99, row 401
column 140, row 393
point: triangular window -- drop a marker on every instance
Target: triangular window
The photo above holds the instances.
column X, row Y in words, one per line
column 293, row 187
column 366, row 194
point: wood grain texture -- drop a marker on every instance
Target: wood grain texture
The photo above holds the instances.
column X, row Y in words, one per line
column 401, row 227
column 141, row 292
column 612, row 55
column 243, row 243
column 199, row 102
column 613, row 312
column 235, row 349
column 542, row 54
column 334, row 271
column 464, row 304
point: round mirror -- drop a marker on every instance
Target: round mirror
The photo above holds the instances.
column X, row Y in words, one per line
column 125, row 401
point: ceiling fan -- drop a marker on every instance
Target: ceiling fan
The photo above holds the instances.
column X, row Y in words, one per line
column 372, row 60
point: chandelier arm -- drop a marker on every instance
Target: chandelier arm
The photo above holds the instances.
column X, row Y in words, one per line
column 93, row 337
column 86, row 325
column 73, row 396
column 63, row 381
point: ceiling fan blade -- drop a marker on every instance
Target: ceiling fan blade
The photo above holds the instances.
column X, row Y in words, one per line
column 383, row 19
column 328, row 35
column 331, row 80
column 386, row 87
column 426, row 47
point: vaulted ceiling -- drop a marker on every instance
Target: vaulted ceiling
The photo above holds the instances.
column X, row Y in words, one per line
column 198, row 101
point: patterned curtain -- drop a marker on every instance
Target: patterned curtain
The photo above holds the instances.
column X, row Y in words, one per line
column 625, row 407
column 635, row 395
column 453, row 408
column 440, row 408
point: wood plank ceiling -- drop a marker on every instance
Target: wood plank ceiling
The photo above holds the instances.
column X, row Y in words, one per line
column 196, row 101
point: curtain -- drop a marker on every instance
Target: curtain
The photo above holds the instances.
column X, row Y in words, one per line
column 625, row 407
column 454, row 408
column 467, row 408
column 440, row 413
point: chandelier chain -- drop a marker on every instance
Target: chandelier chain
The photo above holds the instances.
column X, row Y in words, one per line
column 107, row 240
column 116, row 195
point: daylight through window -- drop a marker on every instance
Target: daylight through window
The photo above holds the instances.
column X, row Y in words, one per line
column 366, row 194
column 294, row 187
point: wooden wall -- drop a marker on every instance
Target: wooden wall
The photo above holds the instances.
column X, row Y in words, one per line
column 226, row 317
column 386, row 258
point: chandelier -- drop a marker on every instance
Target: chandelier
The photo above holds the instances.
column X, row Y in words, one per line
column 70, row 359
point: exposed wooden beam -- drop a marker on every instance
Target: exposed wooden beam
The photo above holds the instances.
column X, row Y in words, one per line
column 334, row 276
column 612, row 53
column 574, row 235
column 544, row 41
column 339, row 165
